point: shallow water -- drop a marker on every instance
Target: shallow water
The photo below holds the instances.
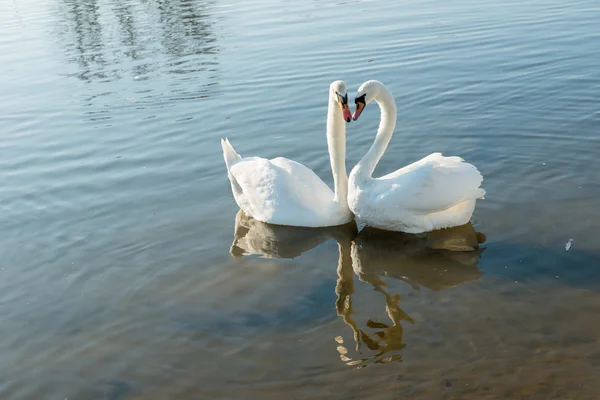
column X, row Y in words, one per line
column 122, row 276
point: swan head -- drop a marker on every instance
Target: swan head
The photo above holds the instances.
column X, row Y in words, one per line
column 367, row 92
column 338, row 92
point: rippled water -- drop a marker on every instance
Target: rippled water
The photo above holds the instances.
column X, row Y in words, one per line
column 126, row 275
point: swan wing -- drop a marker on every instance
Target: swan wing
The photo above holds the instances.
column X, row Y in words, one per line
column 434, row 183
column 280, row 191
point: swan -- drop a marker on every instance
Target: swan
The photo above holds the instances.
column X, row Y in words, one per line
column 433, row 193
column 284, row 192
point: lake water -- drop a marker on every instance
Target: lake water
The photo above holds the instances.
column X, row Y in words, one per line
column 125, row 276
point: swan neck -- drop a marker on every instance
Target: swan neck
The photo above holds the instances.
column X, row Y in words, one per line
column 336, row 143
column 366, row 166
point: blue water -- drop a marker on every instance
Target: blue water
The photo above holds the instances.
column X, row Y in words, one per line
column 117, row 218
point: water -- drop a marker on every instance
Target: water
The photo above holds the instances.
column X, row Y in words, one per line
column 117, row 220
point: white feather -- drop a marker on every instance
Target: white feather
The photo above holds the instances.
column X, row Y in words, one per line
column 283, row 192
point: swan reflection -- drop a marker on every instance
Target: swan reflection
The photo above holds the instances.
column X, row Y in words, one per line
column 388, row 337
column 252, row 237
column 429, row 260
column 436, row 261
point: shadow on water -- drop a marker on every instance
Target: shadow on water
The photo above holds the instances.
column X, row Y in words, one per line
column 436, row 261
column 109, row 41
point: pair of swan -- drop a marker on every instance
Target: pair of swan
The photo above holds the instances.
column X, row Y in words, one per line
column 433, row 193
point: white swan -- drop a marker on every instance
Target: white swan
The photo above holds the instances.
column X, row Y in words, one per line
column 433, row 193
column 284, row 192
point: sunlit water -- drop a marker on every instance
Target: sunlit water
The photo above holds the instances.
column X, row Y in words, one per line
column 121, row 277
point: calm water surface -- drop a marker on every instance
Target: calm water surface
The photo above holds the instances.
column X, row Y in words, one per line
column 126, row 274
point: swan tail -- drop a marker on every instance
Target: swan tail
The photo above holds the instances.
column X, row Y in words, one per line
column 229, row 153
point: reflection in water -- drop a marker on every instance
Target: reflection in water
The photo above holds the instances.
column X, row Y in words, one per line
column 87, row 43
column 109, row 41
column 430, row 260
column 427, row 260
column 278, row 241
column 387, row 338
column 419, row 260
column 415, row 259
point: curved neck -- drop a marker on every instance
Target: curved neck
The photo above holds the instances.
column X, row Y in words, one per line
column 336, row 143
column 365, row 167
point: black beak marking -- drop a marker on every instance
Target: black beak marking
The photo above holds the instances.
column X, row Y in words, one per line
column 343, row 99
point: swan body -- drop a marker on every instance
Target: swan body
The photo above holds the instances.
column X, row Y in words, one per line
column 283, row 192
column 433, row 193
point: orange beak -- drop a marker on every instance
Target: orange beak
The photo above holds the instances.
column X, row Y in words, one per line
column 359, row 108
column 346, row 112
